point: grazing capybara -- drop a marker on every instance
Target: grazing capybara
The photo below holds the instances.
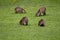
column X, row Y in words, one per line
column 24, row 21
column 19, row 10
column 41, row 22
column 41, row 11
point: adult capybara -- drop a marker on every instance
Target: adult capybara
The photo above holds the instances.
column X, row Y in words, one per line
column 41, row 22
column 19, row 10
column 24, row 21
column 41, row 11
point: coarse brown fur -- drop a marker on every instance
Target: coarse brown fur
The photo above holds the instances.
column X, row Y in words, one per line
column 41, row 11
column 19, row 10
column 24, row 21
column 41, row 22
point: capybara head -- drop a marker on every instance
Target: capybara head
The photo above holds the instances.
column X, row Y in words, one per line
column 41, row 22
column 19, row 10
column 24, row 21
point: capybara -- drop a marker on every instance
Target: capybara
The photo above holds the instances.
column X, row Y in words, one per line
column 41, row 22
column 19, row 10
column 41, row 11
column 24, row 21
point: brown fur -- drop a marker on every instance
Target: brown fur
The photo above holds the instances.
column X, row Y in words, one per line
column 19, row 10
column 24, row 21
column 41, row 11
column 41, row 23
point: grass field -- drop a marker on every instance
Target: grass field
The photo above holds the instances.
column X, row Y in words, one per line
column 9, row 21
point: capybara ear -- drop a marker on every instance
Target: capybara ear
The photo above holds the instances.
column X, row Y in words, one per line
column 24, row 21
column 19, row 10
column 41, row 22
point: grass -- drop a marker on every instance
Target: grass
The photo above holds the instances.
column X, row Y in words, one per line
column 9, row 21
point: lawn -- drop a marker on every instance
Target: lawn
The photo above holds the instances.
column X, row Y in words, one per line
column 9, row 21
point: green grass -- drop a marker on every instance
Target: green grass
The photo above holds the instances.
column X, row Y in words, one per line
column 9, row 21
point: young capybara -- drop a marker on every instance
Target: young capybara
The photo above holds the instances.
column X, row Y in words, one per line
column 24, row 21
column 19, row 10
column 41, row 11
column 41, row 22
